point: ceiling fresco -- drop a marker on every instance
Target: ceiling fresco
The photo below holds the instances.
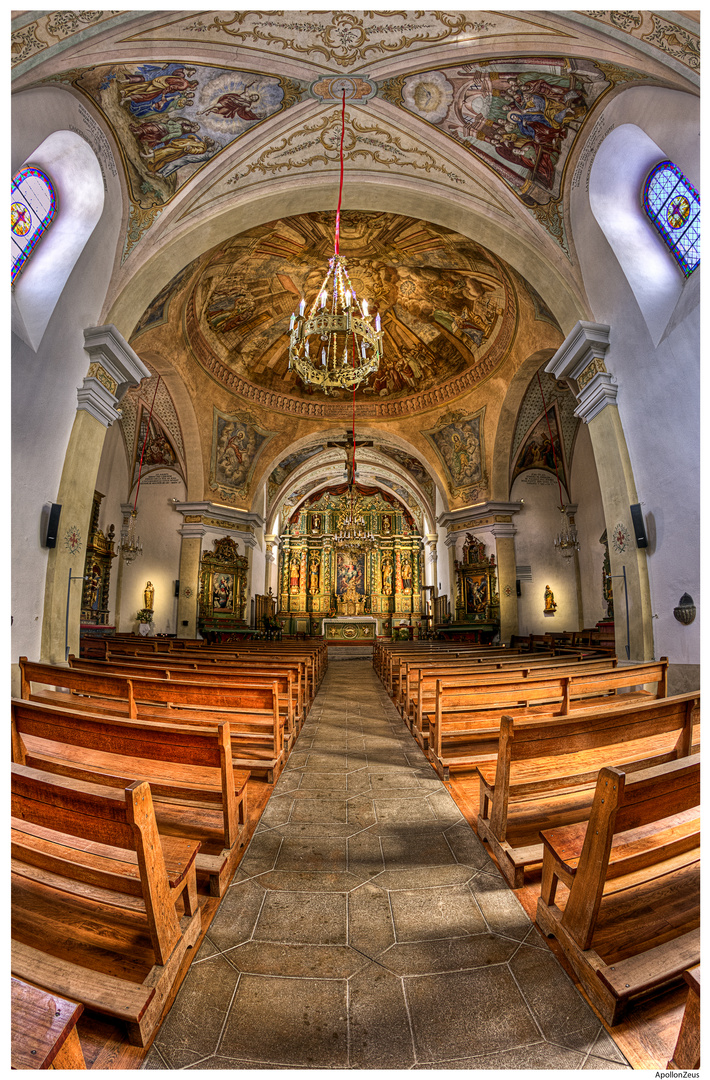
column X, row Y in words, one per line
column 447, row 305
column 519, row 117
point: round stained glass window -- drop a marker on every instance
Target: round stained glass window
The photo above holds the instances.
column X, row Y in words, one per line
column 20, row 219
column 678, row 212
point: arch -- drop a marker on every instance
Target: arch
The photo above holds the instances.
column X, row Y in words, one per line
column 616, row 203
column 77, row 178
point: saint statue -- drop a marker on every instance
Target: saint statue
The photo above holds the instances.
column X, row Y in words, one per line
column 148, row 595
column 550, row 604
column 315, row 575
column 407, row 576
column 387, row 576
column 295, row 572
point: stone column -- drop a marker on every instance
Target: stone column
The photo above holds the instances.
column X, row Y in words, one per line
column 430, row 556
column 192, row 533
column 504, row 536
column 580, row 361
column 113, row 368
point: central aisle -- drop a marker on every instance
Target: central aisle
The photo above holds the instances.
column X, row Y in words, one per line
column 367, row 927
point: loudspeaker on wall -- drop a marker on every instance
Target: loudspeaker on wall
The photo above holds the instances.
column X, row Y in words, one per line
column 177, row 588
column 49, row 524
column 639, row 527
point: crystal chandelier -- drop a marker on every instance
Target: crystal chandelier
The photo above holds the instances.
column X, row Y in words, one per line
column 335, row 346
column 353, row 533
column 130, row 545
column 566, row 541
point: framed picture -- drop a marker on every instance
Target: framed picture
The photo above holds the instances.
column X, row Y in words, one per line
column 476, row 592
column 222, row 592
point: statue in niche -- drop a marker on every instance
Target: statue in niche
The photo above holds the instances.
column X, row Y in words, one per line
column 387, row 525
column 295, row 572
column 406, row 575
column 387, row 576
column 316, row 523
column 550, row 604
column 148, row 595
column 315, row 576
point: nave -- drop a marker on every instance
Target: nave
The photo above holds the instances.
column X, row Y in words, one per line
column 368, row 928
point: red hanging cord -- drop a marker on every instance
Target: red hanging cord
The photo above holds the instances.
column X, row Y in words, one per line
column 340, row 194
column 145, row 440
column 552, row 441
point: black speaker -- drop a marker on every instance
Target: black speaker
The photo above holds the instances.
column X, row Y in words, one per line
column 639, row 527
column 518, row 590
column 49, row 524
column 177, row 588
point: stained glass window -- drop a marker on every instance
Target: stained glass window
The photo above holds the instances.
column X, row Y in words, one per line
column 34, row 204
column 673, row 206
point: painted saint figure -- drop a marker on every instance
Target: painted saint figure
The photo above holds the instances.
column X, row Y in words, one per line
column 315, row 576
column 387, row 576
column 295, row 572
column 550, row 604
column 406, row 576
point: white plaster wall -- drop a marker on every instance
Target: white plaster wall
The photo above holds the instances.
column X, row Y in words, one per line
column 537, row 523
column 443, row 584
column 45, row 382
column 589, row 520
column 659, row 388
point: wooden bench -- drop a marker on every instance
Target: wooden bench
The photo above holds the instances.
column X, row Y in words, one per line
column 460, row 728
column 687, row 1048
column 43, row 1029
column 628, row 915
column 256, row 726
column 289, row 683
column 545, row 771
column 196, row 791
column 94, row 890
column 391, row 676
column 420, row 693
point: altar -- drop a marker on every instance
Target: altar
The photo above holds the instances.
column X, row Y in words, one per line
column 341, row 629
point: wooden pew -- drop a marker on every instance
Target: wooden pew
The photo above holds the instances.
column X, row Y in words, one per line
column 687, row 1048
column 256, row 725
column 545, row 771
column 196, row 791
column 420, row 680
column 217, row 675
column 459, row 730
column 628, row 917
column 394, row 661
column 94, row 897
column 43, row 1029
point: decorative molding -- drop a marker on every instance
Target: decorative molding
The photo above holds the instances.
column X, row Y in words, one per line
column 96, row 371
column 590, row 371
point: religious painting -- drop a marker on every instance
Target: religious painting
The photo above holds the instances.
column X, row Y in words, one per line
column 476, row 592
column 350, row 570
column 157, row 311
column 237, row 442
column 288, row 465
column 414, row 466
column 447, row 305
column 170, row 117
column 538, row 451
column 222, row 592
column 458, row 441
column 519, row 117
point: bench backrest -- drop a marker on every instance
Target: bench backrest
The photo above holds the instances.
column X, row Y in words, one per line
column 621, row 803
column 121, row 819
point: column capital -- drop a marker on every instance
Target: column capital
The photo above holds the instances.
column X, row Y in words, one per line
column 113, row 369
column 580, row 362
column 503, row 530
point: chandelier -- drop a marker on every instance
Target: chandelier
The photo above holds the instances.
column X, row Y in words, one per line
column 130, row 545
column 566, row 541
column 353, row 533
column 335, row 346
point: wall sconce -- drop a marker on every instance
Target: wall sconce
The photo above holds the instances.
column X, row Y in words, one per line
column 685, row 612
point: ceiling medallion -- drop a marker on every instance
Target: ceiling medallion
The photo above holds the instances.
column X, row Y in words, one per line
column 335, row 347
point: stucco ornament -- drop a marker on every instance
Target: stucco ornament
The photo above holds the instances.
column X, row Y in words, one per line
column 620, row 538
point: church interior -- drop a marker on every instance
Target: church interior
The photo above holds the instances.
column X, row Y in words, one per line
column 345, row 342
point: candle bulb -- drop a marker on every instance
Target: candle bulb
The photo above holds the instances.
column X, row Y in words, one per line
column 302, row 306
column 377, row 322
column 323, row 299
column 364, row 308
column 348, row 297
column 293, row 319
column 322, row 357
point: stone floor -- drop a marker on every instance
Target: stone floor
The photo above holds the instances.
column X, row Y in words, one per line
column 367, row 927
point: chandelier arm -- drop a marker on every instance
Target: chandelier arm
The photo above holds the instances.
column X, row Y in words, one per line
column 552, row 441
column 145, row 440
